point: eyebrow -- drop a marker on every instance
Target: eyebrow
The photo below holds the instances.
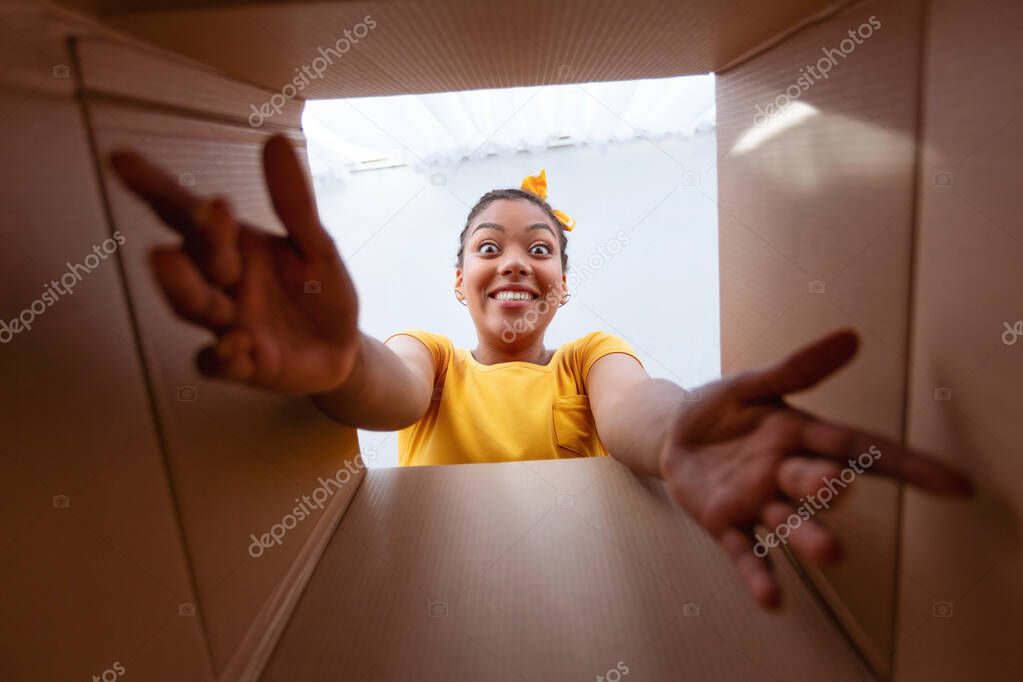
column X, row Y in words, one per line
column 495, row 226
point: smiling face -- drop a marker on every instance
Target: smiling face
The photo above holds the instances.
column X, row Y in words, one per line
column 511, row 274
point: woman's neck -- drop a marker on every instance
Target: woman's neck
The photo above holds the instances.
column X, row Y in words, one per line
column 535, row 353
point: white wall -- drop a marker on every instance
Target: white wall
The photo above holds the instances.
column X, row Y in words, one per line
column 398, row 233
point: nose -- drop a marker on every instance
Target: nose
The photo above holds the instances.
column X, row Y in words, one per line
column 514, row 263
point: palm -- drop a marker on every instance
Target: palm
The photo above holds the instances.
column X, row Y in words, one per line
column 300, row 316
column 735, row 463
column 741, row 457
column 284, row 309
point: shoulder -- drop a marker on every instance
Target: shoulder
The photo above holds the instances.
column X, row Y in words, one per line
column 438, row 345
column 597, row 340
column 587, row 349
column 428, row 339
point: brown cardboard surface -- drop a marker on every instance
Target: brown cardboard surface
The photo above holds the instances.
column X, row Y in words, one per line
column 966, row 558
column 445, row 45
column 524, row 581
column 238, row 458
column 92, row 564
column 823, row 194
column 119, row 70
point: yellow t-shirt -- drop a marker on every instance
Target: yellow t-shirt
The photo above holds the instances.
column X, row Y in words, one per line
column 510, row 411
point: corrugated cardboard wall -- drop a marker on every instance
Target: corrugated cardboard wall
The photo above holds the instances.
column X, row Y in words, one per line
column 239, row 458
column 148, row 565
column 960, row 586
column 92, row 564
column 816, row 213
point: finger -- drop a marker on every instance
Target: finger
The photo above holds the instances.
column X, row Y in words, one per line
column 218, row 252
column 802, row 476
column 808, row 537
column 695, row 421
column 701, row 421
column 190, row 295
column 230, row 358
column 869, row 452
column 293, row 200
column 800, row 370
column 754, row 571
column 175, row 205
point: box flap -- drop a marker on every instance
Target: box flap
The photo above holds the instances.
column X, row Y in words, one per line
column 444, row 45
column 497, row 571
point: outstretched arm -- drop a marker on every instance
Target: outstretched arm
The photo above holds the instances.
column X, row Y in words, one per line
column 737, row 455
column 631, row 410
column 388, row 389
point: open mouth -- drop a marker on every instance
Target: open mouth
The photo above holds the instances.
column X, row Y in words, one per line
column 513, row 297
column 507, row 295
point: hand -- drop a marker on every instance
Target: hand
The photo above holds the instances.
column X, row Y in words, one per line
column 740, row 456
column 248, row 286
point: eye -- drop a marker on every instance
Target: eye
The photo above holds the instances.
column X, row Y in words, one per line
column 542, row 245
column 483, row 245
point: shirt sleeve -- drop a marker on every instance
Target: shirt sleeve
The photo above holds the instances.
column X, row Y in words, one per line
column 596, row 345
column 438, row 345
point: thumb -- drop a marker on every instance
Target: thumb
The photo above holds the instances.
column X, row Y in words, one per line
column 293, row 199
column 802, row 369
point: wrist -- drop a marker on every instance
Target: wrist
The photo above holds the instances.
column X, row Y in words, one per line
column 679, row 400
column 347, row 367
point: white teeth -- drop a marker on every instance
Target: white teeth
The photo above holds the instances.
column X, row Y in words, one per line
column 513, row 296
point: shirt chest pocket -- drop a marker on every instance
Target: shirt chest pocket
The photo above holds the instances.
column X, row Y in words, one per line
column 574, row 428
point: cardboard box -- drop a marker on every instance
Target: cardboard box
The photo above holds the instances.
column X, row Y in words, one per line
column 883, row 198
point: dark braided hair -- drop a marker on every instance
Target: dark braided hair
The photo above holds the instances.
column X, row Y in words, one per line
column 514, row 195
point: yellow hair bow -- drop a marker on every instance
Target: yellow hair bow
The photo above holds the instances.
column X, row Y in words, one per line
column 537, row 184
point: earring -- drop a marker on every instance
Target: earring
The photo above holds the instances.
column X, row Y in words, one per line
column 460, row 299
column 565, row 300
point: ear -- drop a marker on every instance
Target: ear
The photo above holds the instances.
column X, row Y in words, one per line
column 564, row 280
column 458, row 278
